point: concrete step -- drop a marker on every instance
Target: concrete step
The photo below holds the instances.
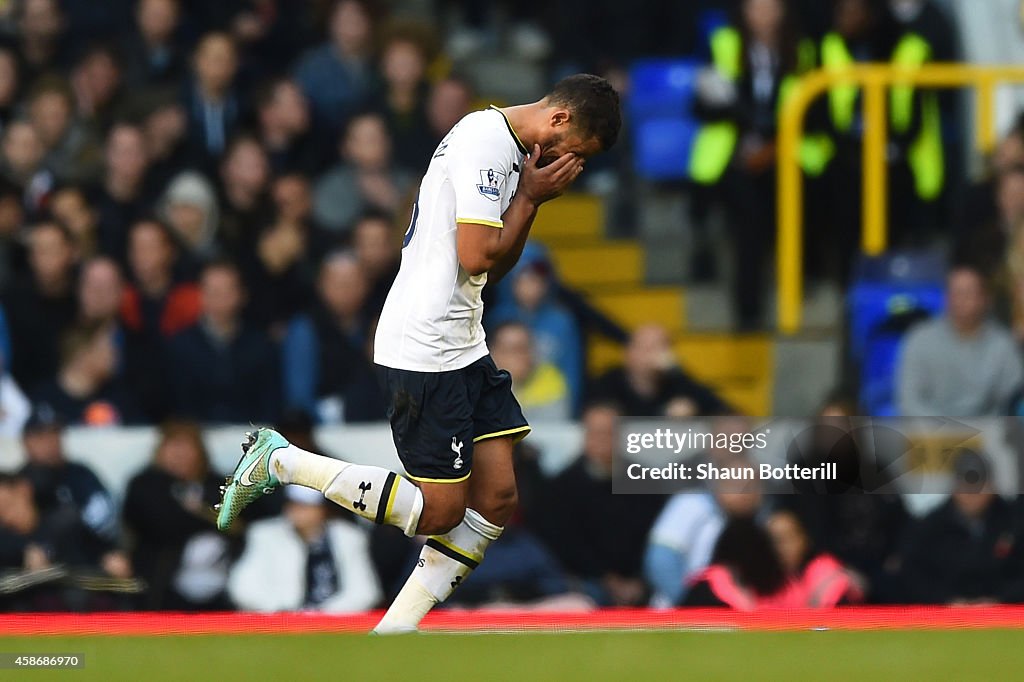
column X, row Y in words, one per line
column 602, row 263
column 570, row 219
column 636, row 306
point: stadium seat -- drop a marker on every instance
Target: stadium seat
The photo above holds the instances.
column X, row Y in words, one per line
column 662, row 148
column 660, row 111
column 891, row 284
column 889, row 295
column 661, row 88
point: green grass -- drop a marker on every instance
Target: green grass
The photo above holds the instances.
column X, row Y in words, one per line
column 620, row 656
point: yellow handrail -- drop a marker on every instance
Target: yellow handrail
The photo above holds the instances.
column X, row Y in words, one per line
column 874, row 79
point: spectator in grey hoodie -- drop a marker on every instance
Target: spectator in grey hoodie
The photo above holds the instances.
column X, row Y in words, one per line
column 962, row 363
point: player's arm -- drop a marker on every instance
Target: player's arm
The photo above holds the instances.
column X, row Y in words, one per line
column 495, row 248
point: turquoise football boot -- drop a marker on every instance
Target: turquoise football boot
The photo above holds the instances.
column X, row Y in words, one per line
column 252, row 477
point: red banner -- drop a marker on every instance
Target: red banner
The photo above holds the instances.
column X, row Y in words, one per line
column 845, row 618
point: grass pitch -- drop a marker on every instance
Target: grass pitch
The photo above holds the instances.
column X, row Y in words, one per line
column 621, row 656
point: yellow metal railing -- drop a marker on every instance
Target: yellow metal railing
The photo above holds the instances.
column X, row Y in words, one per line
column 874, row 79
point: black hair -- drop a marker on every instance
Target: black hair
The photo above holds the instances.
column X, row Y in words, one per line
column 50, row 222
column 594, row 104
column 746, row 548
column 497, row 329
column 267, row 91
column 374, row 215
column 602, row 403
column 221, row 263
column 150, row 220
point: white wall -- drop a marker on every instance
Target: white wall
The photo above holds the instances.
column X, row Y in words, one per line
column 117, row 454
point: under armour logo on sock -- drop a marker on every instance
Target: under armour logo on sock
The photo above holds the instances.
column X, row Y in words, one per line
column 457, row 449
column 363, row 488
column 457, row 581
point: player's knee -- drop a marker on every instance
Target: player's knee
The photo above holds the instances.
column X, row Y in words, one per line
column 440, row 519
column 500, row 505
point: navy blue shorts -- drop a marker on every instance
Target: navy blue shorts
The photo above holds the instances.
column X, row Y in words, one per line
column 436, row 417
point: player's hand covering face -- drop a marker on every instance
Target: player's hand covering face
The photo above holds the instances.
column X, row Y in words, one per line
column 540, row 184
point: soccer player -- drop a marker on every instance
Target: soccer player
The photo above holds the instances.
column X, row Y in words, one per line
column 451, row 409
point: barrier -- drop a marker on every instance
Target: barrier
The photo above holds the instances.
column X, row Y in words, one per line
column 842, row 618
column 874, row 79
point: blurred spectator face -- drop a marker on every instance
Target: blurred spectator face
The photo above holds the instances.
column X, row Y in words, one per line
column 973, row 505
column 12, row 214
column 350, row 28
column 790, row 540
column 343, row 285
column 449, row 101
column 41, row 20
column 187, row 220
column 246, row 169
column 367, row 144
column 96, row 357
column 22, row 148
column 126, row 153
column 222, row 296
column 9, row 79
column 50, row 254
column 308, row 520
column 43, row 447
column 649, row 351
column 403, row 64
column 71, row 209
column 1010, row 195
column 98, row 76
column 738, row 498
column 157, row 20
column 181, row 453
column 836, row 409
column 530, row 287
column 852, row 17
column 216, row 63
column 966, row 299
column 512, row 350
column 100, row 289
column 150, row 252
column 1009, row 153
column 50, row 113
column 599, row 436
column 18, row 510
column 763, row 18
column 375, row 245
column 293, row 199
column 288, row 109
column 164, row 129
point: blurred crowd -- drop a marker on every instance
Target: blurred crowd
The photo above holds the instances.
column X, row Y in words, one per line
column 65, row 544
column 201, row 212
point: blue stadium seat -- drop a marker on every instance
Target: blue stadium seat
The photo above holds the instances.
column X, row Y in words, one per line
column 659, row 107
column 889, row 294
column 661, row 88
column 661, row 148
column 890, row 284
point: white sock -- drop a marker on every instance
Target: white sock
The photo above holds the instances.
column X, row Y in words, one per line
column 375, row 493
column 444, row 562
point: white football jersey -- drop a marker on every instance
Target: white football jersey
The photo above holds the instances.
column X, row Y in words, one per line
column 432, row 319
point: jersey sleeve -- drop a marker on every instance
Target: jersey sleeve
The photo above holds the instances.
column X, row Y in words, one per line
column 479, row 167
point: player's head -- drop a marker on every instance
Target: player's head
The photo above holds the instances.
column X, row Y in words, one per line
column 583, row 118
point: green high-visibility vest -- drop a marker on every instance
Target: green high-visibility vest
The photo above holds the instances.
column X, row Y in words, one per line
column 926, row 155
column 716, row 141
